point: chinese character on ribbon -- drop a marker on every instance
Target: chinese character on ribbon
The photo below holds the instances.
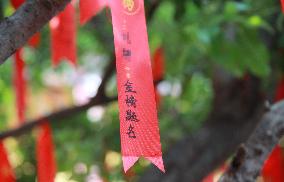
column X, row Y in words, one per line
column 130, row 101
column 131, row 133
column 129, row 87
column 131, row 116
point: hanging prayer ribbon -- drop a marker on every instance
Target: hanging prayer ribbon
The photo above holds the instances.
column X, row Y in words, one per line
column 89, row 8
column 158, row 71
column 63, row 36
column 46, row 162
column 279, row 95
column 20, row 85
column 158, row 64
column 282, row 5
column 139, row 129
column 6, row 172
column 46, row 165
column 17, row 3
column 273, row 170
column 34, row 40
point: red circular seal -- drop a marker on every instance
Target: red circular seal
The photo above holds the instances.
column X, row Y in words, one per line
column 131, row 7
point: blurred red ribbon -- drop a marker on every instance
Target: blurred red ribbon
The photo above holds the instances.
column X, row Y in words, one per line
column 63, row 36
column 34, row 40
column 19, row 66
column 89, row 8
column 45, row 156
column 17, row 3
column 279, row 95
column 158, row 69
column 158, row 64
column 282, row 5
column 273, row 170
column 19, row 75
column 139, row 129
column 20, row 85
column 44, row 148
column 6, row 172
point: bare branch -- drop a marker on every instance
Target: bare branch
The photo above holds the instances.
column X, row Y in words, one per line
column 16, row 30
column 99, row 99
column 258, row 147
column 54, row 117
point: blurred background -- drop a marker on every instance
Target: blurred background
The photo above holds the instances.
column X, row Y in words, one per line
column 220, row 57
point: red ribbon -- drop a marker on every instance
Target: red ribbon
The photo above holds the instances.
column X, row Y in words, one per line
column 158, row 64
column 158, row 69
column 63, row 36
column 34, row 40
column 17, row 3
column 139, row 129
column 19, row 78
column 279, row 95
column 46, row 164
column 282, row 5
column 6, row 172
column 20, row 85
column 89, row 8
column 273, row 170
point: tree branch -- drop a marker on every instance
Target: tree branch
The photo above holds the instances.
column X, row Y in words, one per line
column 99, row 99
column 54, row 117
column 110, row 69
column 16, row 30
column 256, row 150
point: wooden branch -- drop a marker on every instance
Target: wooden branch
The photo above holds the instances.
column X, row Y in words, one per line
column 54, row 117
column 109, row 70
column 248, row 162
column 16, row 30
